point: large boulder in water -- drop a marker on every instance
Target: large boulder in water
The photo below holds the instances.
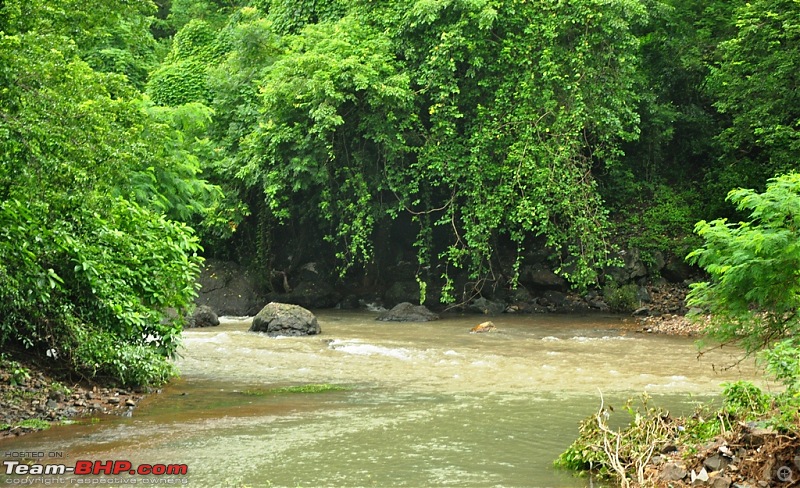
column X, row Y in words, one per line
column 283, row 319
column 406, row 312
column 203, row 316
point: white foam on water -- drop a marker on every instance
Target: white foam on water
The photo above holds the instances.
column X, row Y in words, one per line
column 219, row 338
column 360, row 349
column 229, row 319
column 600, row 339
column 482, row 363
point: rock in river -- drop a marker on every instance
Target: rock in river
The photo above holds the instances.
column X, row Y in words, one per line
column 483, row 327
column 282, row 319
column 203, row 316
column 406, row 312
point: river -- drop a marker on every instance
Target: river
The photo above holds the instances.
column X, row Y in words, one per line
column 424, row 404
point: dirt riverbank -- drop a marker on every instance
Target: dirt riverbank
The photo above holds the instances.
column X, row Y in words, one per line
column 32, row 399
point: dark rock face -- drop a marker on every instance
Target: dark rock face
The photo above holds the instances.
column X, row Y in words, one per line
column 554, row 298
column 228, row 288
column 487, row 307
column 283, row 319
column 539, row 276
column 231, row 289
column 310, row 294
column 203, row 316
column 402, row 291
column 632, row 267
column 643, row 295
column 676, row 271
column 406, row 312
column 598, row 304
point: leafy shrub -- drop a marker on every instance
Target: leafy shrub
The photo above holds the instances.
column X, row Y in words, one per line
column 619, row 453
column 179, row 83
column 657, row 217
column 35, row 424
column 90, row 258
column 621, row 298
column 290, row 17
column 783, row 363
column 96, row 288
column 19, row 375
column 754, row 290
column 195, row 39
column 745, row 399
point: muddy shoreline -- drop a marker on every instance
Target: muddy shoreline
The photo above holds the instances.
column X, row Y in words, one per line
column 31, row 399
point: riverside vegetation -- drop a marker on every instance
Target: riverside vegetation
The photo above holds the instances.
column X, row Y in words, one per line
column 466, row 137
column 752, row 301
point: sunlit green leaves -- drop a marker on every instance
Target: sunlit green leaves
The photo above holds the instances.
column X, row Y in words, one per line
column 755, row 83
column 332, row 107
column 489, row 116
column 86, row 270
column 754, row 292
column 516, row 120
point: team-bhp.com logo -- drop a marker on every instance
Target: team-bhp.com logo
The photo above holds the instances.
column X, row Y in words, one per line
column 85, row 468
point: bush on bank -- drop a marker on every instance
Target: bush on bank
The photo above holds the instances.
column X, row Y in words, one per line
column 91, row 291
column 753, row 296
column 634, row 454
column 96, row 190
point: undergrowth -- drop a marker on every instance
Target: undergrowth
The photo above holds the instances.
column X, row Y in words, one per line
column 623, row 454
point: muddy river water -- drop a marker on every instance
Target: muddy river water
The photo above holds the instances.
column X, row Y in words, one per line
column 424, row 404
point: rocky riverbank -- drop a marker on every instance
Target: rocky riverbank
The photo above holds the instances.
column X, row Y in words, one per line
column 748, row 456
column 671, row 324
column 31, row 399
column 712, row 448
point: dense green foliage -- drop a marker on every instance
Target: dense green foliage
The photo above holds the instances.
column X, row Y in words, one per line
column 753, row 295
column 93, row 182
column 468, row 116
column 754, row 291
column 755, row 85
column 489, row 125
